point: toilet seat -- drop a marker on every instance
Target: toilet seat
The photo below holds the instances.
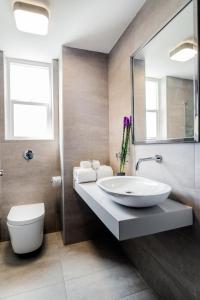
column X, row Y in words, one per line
column 25, row 214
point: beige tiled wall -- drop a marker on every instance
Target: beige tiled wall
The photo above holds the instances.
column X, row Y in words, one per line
column 85, row 131
column 169, row 261
column 28, row 182
column 149, row 20
column 139, row 31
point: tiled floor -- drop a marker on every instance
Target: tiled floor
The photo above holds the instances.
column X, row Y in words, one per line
column 88, row 270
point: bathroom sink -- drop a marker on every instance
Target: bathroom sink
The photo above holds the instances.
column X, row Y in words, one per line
column 134, row 191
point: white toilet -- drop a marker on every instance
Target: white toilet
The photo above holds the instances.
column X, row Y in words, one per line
column 25, row 225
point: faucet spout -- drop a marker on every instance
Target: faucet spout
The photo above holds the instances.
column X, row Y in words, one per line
column 157, row 158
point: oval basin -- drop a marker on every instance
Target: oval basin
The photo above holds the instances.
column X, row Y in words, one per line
column 134, row 191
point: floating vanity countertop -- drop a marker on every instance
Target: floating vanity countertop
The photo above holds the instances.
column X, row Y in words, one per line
column 126, row 223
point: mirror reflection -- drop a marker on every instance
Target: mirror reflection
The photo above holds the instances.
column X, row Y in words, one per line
column 164, row 80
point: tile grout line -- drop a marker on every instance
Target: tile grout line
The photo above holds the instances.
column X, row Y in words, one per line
column 138, row 292
column 31, row 290
column 60, row 263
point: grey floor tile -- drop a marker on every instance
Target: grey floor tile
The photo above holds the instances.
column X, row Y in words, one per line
column 53, row 292
column 19, row 279
column 47, row 251
column 88, row 257
column 3, row 246
column 109, row 284
column 143, row 295
column 52, row 238
column 91, row 270
column 59, row 239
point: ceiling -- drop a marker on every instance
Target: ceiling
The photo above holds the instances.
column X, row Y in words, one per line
column 87, row 24
column 156, row 53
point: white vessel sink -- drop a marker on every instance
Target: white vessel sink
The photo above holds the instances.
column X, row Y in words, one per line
column 134, row 191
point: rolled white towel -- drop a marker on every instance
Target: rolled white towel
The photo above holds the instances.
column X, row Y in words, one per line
column 104, row 171
column 85, row 164
column 75, row 169
column 85, row 175
column 96, row 164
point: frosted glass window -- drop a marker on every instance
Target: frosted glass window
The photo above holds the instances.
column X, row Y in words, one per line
column 29, row 83
column 152, row 108
column 151, row 95
column 30, row 120
column 151, row 125
column 28, row 103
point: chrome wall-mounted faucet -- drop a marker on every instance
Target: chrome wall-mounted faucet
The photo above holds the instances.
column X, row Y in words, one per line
column 157, row 158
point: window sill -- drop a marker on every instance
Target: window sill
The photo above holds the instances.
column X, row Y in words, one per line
column 29, row 139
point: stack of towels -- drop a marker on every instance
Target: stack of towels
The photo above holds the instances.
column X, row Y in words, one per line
column 90, row 171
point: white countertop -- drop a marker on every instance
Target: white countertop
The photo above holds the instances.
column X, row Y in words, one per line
column 126, row 223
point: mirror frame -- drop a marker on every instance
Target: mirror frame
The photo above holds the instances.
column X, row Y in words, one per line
column 196, row 138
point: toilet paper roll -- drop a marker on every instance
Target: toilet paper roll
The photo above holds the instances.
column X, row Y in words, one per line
column 56, row 181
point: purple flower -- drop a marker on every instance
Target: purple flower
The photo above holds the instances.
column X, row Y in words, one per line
column 125, row 141
column 125, row 121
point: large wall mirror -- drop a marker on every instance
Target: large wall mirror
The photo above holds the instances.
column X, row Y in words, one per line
column 165, row 83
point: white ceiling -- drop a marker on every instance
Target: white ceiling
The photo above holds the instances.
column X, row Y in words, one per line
column 156, row 53
column 87, row 24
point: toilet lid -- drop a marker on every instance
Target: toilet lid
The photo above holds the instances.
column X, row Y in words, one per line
column 25, row 214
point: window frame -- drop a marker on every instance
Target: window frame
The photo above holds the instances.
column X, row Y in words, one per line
column 157, row 111
column 9, row 103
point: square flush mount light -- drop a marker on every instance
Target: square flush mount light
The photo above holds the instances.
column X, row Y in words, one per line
column 31, row 18
column 183, row 52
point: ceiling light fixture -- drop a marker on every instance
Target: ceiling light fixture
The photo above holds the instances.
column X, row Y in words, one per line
column 183, row 52
column 31, row 18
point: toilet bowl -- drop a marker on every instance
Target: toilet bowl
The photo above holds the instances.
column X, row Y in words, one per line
column 25, row 225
